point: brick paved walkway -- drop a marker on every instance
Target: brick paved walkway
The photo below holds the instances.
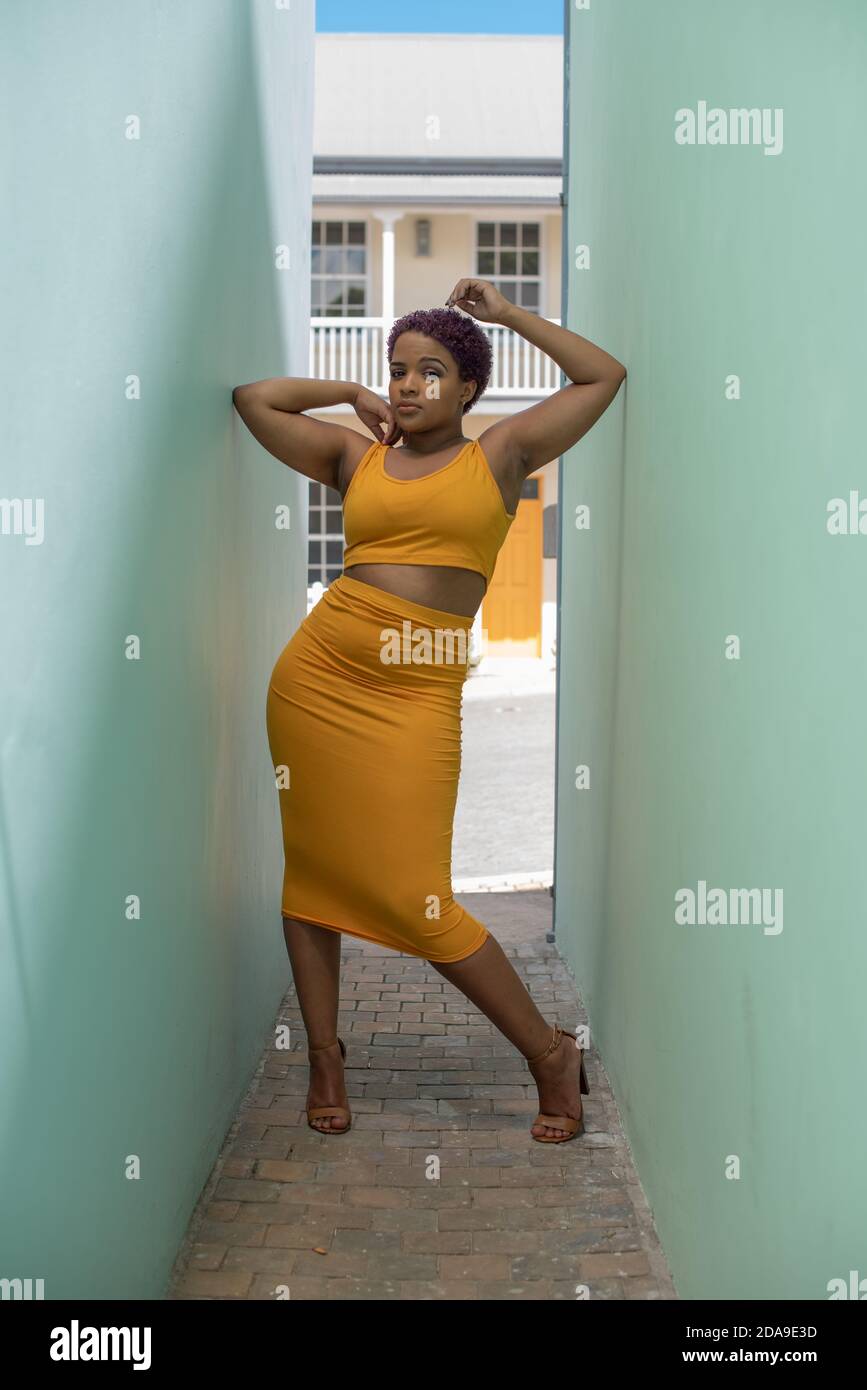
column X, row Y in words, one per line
column 431, row 1083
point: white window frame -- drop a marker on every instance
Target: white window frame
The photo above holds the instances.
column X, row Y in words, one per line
column 330, row 216
column 317, row 571
column 497, row 218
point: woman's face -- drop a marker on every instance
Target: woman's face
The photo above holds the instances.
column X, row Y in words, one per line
column 423, row 373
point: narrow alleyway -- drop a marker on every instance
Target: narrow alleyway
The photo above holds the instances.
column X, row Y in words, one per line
column 291, row 1213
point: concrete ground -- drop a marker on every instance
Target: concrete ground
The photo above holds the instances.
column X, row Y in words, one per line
column 504, row 821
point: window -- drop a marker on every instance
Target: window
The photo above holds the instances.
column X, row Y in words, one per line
column 507, row 254
column 338, row 289
column 339, row 270
column 325, row 543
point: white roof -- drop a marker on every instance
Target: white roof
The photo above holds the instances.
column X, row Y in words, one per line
column 482, row 97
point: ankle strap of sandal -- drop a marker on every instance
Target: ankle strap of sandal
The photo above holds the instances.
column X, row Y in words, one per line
column 324, row 1047
column 553, row 1044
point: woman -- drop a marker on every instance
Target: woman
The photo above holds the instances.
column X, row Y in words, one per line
column 364, row 704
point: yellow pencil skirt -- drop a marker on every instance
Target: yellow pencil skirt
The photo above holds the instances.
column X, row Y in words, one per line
column 363, row 716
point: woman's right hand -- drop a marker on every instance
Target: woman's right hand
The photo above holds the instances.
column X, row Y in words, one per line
column 377, row 415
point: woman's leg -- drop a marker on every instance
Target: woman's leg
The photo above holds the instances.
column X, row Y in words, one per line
column 488, row 978
column 314, row 953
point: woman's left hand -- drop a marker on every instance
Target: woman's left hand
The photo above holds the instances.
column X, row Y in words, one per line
column 487, row 303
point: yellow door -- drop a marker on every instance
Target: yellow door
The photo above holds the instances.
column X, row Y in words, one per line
column 512, row 607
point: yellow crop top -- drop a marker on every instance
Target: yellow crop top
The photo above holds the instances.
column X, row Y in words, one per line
column 453, row 516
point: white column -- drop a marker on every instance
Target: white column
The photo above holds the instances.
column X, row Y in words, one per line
column 388, row 217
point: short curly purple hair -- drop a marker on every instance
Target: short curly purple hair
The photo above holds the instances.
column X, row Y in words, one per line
column 460, row 333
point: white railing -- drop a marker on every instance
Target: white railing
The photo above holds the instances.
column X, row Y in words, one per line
column 353, row 349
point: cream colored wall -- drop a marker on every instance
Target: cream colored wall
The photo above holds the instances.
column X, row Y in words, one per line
column 374, row 242
column 551, row 257
column 425, row 282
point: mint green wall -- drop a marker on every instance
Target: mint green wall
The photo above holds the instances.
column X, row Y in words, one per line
column 152, row 257
column 709, row 518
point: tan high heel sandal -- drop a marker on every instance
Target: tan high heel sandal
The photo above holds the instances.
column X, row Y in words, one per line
column 572, row 1126
column 316, row 1112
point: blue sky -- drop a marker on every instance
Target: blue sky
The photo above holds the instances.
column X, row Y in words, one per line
column 441, row 17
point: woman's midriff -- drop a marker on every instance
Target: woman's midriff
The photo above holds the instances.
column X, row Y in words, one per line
column 437, row 586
